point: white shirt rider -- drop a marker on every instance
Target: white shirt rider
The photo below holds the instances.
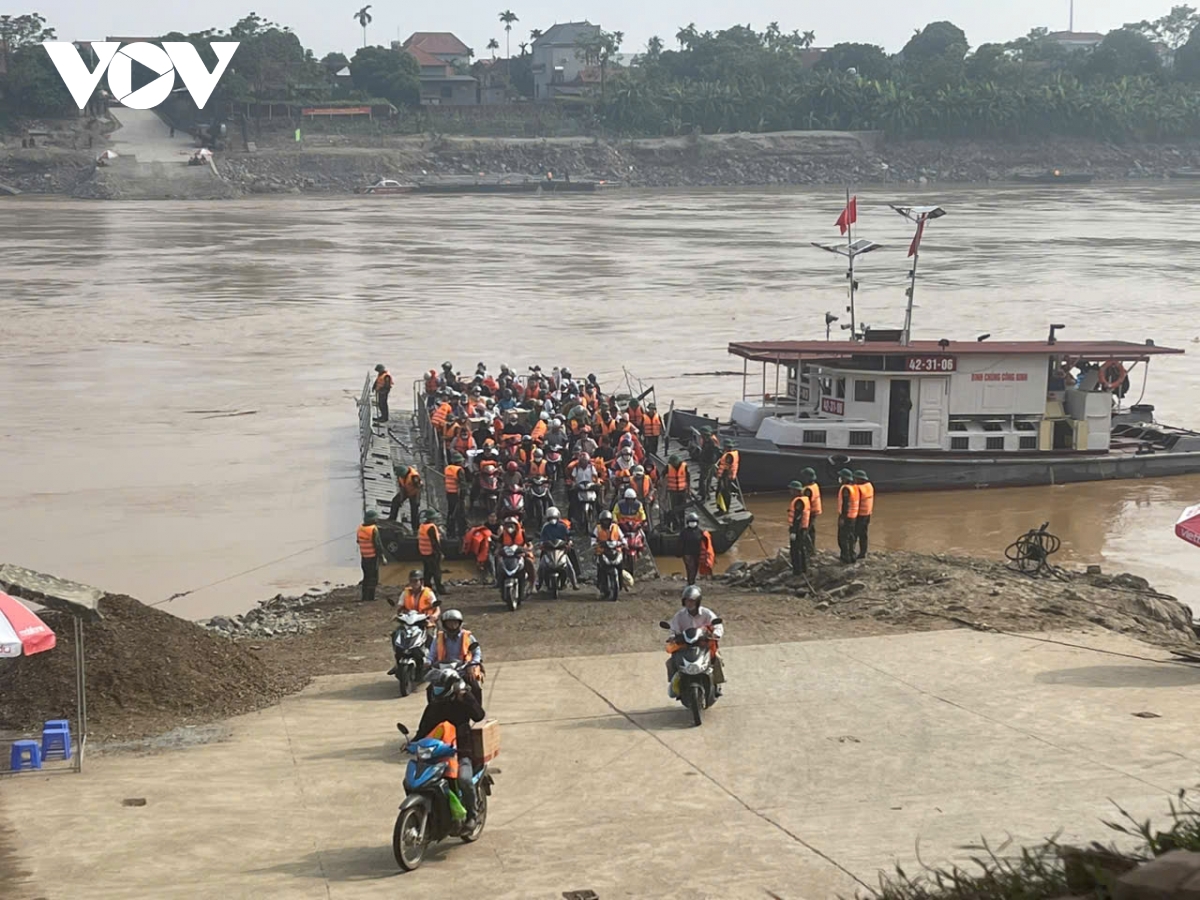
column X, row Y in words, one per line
column 683, row 620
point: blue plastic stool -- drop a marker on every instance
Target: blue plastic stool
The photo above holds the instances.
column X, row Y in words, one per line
column 56, row 739
column 25, row 755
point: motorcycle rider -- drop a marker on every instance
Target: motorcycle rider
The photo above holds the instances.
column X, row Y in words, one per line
column 695, row 548
column 581, row 471
column 453, row 703
column 418, row 598
column 453, row 643
column 693, row 615
column 558, row 529
column 630, row 513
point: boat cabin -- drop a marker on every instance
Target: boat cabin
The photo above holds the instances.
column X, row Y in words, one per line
column 982, row 396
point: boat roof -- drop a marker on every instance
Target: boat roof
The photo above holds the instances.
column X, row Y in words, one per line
column 794, row 351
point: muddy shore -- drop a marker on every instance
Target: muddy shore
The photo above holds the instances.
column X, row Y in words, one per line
column 199, row 674
column 335, row 165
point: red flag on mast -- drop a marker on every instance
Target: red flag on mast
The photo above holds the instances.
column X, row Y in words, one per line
column 849, row 215
column 916, row 241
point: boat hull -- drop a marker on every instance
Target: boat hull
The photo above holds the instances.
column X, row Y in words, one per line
column 768, row 467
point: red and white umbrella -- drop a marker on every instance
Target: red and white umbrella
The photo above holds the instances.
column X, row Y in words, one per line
column 1188, row 526
column 21, row 632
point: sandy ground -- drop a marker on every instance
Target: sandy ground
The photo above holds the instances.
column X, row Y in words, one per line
column 824, row 763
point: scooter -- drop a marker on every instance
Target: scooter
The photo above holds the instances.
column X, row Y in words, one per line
column 635, row 540
column 693, row 682
column 608, row 569
column 538, row 501
column 553, row 464
column 410, row 644
column 489, row 491
column 513, row 504
column 555, row 567
column 511, row 576
column 585, row 500
column 432, row 809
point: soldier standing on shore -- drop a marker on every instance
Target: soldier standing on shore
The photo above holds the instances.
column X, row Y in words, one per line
column 370, row 550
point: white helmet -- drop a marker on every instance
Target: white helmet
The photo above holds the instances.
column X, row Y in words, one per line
column 630, row 494
column 639, row 470
column 552, row 513
column 545, row 416
column 557, row 423
column 452, row 615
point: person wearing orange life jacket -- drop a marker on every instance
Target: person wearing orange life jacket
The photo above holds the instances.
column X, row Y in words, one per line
column 847, row 514
column 457, row 485
column 643, row 484
column 607, row 530
column 370, row 551
column 512, row 534
column 696, row 549
column 866, row 505
column 463, row 441
column 408, row 480
column 652, row 428
column 429, row 545
column 538, row 432
column 679, row 486
column 798, row 521
column 453, row 644
column 812, row 490
column 538, row 467
column 432, row 382
column 727, row 473
column 382, row 387
column 417, row 598
column 636, row 416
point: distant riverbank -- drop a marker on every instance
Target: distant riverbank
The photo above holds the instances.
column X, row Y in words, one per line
column 339, row 165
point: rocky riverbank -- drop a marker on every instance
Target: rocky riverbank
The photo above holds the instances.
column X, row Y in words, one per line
column 332, row 165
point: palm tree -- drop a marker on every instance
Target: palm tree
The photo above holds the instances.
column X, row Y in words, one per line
column 535, row 33
column 364, row 19
column 523, row 47
column 508, row 17
column 493, row 45
column 808, row 39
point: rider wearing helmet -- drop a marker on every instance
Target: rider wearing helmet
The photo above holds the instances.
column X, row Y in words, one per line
column 629, row 511
column 452, row 704
column 454, row 643
column 607, row 530
column 695, row 548
column 558, row 529
column 693, row 615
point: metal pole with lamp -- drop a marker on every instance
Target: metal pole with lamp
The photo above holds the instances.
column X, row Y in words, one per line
column 919, row 215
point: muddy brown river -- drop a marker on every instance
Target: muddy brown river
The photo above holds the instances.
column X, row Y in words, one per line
column 177, row 411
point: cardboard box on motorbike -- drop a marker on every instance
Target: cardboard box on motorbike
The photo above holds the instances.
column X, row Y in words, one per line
column 485, row 741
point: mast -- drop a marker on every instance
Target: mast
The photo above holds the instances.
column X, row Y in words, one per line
column 854, row 248
column 850, row 273
column 1071, row 25
column 920, row 215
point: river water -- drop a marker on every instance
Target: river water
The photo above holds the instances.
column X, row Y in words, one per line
column 177, row 411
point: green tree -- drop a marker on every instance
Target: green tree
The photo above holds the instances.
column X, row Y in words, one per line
column 867, row 60
column 364, row 19
column 1124, row 53
column 598, row 48
column 382, row 72
column 493, row 45
column 1173, row 29
column 535, row 33
column 508, row 17
column 334, row 62
column 935, row 42
column 29, row 83
column 1187, row 58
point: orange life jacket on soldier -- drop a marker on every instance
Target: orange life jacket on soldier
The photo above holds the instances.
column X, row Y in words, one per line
column 643, row 486
column 799, row 507
column 653, row 425
column 366, row 540
column 383, row 381
column 866, row 499
column 410, row 483
column 678, row 480
column 848, row 500
column 425, row 538
column 452, row 474
column 439, row 415
column 637, row 417
column 815, row 499
column 729, row 464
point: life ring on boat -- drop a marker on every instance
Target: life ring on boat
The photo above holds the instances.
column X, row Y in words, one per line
column 1112, row 374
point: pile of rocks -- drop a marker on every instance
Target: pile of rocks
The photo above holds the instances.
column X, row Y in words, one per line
column 277, row 617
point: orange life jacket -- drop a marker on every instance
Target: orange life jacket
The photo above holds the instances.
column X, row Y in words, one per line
column 425, row 538
column 466, row 646
column 537, row 468
column 728, row 464
column 453, row 473
column 410, row 483
column 422, row 603
column 637, row 417
column 678, row 480
column 383, row 381
column 708, row 556
column 643, row 486
column 431, row 383
column 539, row 430
column 611, row 533
column 517, row 537
column 653, row 425
column 447, row 734
column 477, row 542
column 366, row 540
column 848, row 498
column 866, row 499
column 439, row 415
column 815, row 499
column 799, row 506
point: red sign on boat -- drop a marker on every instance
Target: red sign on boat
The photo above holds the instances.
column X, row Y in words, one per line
column 836, row 407
column 931, row 364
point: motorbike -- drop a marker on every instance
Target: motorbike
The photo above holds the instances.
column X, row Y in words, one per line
column 635, row 541
column 539, row 501
column 693, row 682
column 513, row 504
column 553, row 464
column 432, row 809
column 489, row 491
column 608, row 569
column 410, row 644
column 585, row 501
column 556, row 567
column 511, row 576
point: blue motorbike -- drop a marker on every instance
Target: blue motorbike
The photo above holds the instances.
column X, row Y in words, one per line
column 433, row 809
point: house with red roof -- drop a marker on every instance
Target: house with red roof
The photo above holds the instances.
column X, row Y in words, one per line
column 442, row 57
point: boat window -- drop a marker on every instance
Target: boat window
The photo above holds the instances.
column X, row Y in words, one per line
column 841, row 388
column 1024, row 425
column 814, row 437
column 864, row 391
column 993, row 425
column 995, row 443
column 1028, row 443
column 826, row 386
column 958, row 426
column 960, row 443
column 861, row 438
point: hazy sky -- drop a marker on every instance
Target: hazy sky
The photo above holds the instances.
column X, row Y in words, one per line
column 328, row 26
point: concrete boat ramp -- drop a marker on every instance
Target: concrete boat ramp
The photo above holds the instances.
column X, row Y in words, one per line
column 824, row 763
